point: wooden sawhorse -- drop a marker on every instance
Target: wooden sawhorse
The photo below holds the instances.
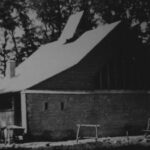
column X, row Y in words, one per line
column 147, row 131
column 96, row 126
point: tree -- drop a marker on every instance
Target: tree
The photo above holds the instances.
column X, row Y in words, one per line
column 52, row 16
column 14, row 18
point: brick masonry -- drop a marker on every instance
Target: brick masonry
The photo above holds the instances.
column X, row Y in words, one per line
column 116, row 112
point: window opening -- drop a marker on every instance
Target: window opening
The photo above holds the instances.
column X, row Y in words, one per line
column 62, row 106
column 46, row 106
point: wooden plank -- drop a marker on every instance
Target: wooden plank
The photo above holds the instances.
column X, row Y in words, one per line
column 85, row 92
column 146, row 130
column 96, row 132
column 88, row 125
column 78, row 130
column 23, row 112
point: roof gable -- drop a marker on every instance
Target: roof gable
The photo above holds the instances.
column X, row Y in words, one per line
column 53, row 58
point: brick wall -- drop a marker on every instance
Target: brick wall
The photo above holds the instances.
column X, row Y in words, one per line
column 116, row 112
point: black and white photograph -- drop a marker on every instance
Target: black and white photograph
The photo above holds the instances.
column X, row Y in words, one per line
column 74, row 74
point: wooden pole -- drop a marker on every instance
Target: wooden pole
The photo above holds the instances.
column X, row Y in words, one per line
column 78, row 130
column 23, row 112
column 96, row 133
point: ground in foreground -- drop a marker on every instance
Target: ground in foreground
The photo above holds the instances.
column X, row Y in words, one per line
column 116, row 143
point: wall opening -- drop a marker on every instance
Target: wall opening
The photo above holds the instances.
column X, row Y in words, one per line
column 45, row 106
column 62, row 106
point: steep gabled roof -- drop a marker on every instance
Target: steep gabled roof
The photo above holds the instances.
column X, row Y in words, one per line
column 53, row 58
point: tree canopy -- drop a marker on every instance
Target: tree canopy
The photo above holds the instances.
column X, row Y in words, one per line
column 26, row 24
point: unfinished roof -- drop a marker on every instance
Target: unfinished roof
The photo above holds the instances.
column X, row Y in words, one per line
column 70, row 27
column 53, row 58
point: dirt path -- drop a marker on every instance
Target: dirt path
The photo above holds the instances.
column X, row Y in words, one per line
column 112, row 141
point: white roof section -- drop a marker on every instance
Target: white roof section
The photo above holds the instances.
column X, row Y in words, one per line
column 53, row 58
column 70, row 27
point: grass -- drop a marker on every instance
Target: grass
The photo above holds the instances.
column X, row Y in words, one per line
column 87, row 146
